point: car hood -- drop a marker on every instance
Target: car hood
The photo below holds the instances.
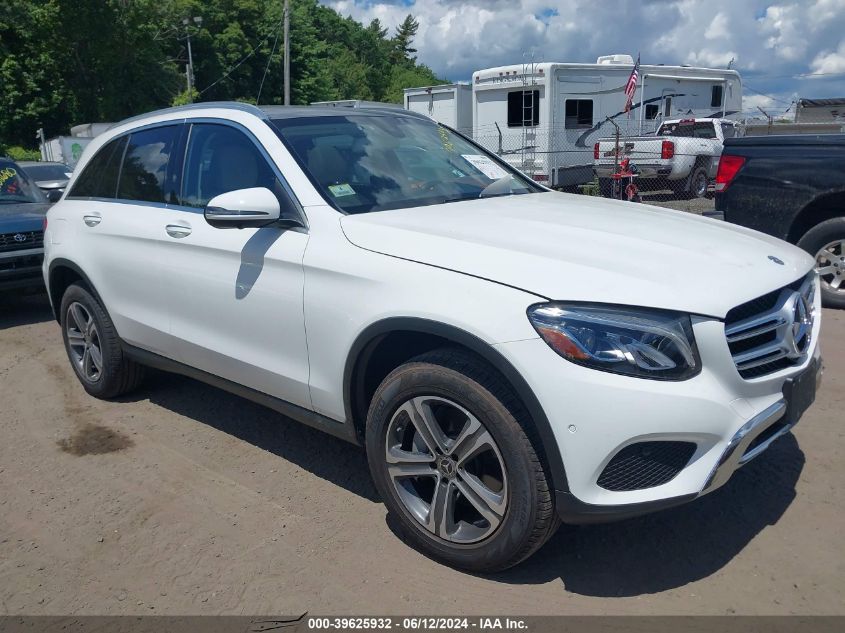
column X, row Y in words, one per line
column 22, row 216
column 582, row 248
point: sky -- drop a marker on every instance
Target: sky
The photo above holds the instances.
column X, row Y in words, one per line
column 783, row 49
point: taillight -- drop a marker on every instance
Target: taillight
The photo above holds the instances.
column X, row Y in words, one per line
column 729, row 166
column 541, row 177
column 596, row 151
column 667, row 150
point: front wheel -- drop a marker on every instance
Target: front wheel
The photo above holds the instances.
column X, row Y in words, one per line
column 826, row 241
column 448, row 451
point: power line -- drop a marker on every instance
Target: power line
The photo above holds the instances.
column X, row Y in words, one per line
column 762, row 94
column 267, row 67
column 236, row 66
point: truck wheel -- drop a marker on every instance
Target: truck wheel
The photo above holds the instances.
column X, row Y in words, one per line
column 826, row 241
column 698, row 183
column 606, row 187
column 93, row 347
column 448, row 451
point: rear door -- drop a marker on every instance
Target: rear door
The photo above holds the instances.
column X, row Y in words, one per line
column 236, row 295
column 123, row 222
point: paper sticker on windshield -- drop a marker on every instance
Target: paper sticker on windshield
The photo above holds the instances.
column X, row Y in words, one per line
column 338, row 191
column 485, row 166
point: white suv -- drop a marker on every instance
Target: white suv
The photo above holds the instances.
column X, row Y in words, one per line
column 510, row 356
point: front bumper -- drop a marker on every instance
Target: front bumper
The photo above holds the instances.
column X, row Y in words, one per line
column 594, row 415
column 21, row 269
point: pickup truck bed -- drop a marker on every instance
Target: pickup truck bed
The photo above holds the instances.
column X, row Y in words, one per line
column 792, row 187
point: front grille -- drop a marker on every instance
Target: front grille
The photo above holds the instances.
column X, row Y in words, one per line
column 21, row 241
column 760, row 332
column 645, row 465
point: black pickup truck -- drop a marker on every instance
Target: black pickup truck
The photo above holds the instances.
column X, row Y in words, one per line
column 792, row 187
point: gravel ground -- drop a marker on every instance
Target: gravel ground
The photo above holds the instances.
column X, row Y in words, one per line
column 183, row 499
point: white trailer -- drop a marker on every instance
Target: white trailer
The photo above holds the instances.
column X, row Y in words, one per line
column 64, row 149
column 545, row 118
column 449, row 104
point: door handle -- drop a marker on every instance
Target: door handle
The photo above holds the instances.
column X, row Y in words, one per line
column 92, row 220
column 177, row 230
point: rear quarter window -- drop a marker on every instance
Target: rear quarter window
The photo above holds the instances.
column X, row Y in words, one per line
column 99, row 176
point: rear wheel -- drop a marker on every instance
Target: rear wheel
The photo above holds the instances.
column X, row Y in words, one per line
column 826, row 242
column 93, row 347
column 449, row 454
column 606, row 187
column 697, row 187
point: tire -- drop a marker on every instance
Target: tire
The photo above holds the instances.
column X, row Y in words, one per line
column 826, row 242
column 88, row 333
column 605, row 187
column 698, row 181
column 458, row 390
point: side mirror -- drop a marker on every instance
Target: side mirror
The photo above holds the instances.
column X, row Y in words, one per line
column 54, row 195
column 242, row 208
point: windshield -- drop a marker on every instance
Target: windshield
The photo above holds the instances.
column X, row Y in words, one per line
column 15, row 186
column 49, row 171
column 367, row 162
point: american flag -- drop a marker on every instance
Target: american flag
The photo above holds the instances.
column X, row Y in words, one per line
column 631, row 86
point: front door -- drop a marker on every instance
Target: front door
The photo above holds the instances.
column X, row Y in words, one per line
column 237, row 309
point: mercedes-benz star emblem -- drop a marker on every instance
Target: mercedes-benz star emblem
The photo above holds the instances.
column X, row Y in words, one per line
column 19, row 237
column 776, row 260
column 802, row 323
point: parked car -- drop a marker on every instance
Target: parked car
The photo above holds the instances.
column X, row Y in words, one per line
column 23, row 209
column 378, row 276
column 682, row 156
column 51, row 178
column 791, row 187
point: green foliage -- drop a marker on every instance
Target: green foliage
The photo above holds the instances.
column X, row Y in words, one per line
column 64, row 62
column 16, row 152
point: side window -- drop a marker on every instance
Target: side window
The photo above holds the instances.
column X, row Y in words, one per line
column 524, row 108
column 716, row 96
column 220, row 158
column 145, row 164
column 651, row 111
column 579, row 113
column 667, row 107
column 729, row 130
column 99, row 178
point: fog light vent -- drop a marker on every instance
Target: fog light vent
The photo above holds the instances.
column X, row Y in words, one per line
column 645, row 465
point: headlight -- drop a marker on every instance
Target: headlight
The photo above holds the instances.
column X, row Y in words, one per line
column 655, row 344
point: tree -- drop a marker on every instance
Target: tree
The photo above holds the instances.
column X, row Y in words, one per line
column 64, row 62
column 403, row 53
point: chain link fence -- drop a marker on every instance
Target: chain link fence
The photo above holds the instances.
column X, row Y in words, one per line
column 675, row 172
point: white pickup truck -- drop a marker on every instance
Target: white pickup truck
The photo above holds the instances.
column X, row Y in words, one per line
column 682, row 156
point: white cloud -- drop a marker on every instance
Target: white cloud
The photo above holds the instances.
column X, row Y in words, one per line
column 829, row 62
column 770, row 41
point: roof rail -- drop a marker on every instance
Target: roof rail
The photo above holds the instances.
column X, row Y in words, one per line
column 204, row 105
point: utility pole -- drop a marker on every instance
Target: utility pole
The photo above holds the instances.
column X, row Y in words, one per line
column 189, row 69
column 287, row 51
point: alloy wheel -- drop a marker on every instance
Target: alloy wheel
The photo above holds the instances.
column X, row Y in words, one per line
column 84, row 342
column 830, row 265
column 699, row 185
column 446, row 469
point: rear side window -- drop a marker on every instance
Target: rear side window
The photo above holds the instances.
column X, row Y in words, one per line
column 220, row 159
column 99, row 178
column 145, row 162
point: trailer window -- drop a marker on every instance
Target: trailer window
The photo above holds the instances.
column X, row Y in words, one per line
column 524, row 108
column 651, row 111
column 579, row 113
column 716, row 97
